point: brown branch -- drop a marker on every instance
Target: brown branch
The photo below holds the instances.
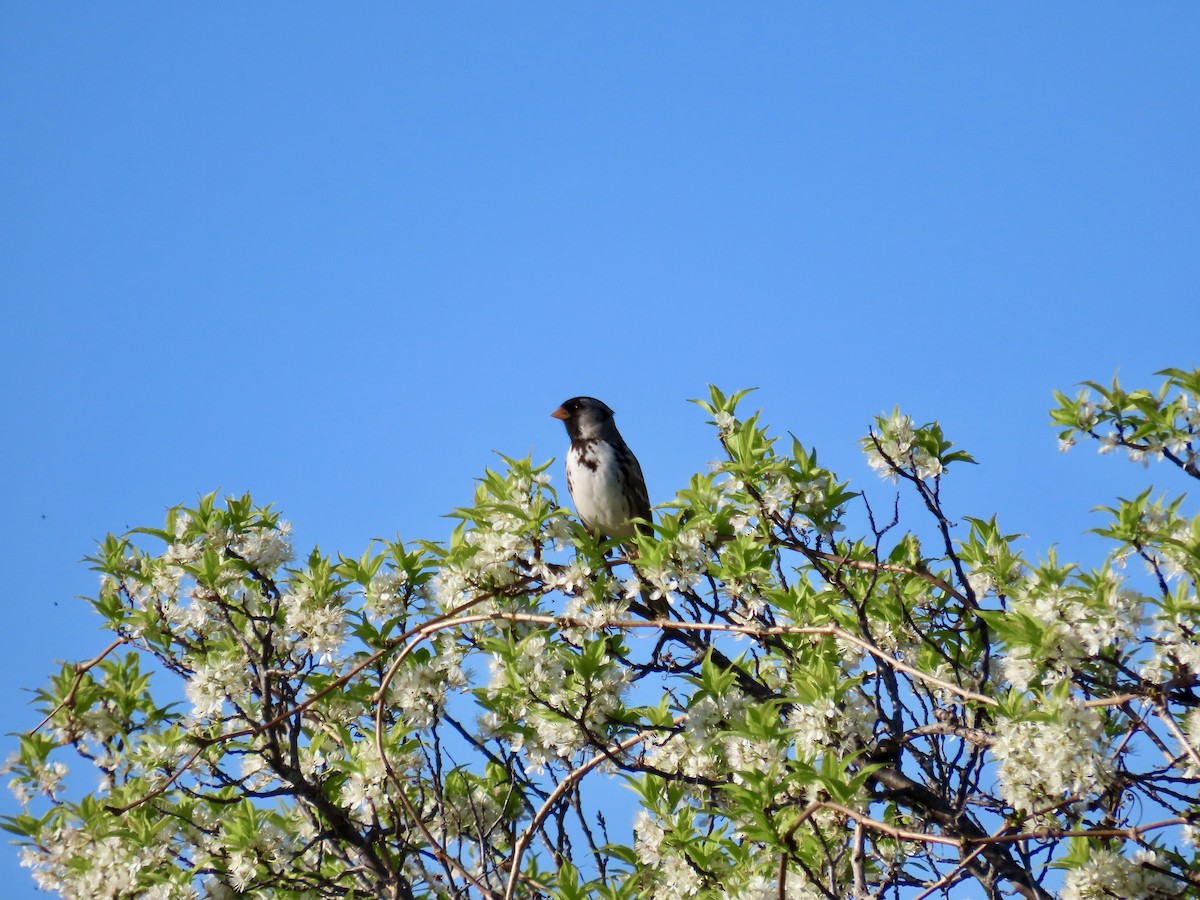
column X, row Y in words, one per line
column 976, row 736
column 890, row 830
column 573, row 777
column 414, row 637
column 749, row 630
column 81, row 669
column 828, row 630
column 162, row 788
column 1115, row 700
column 1132, row 833
column 904, row 789
column 952, row 875
column 286, row 714
column 932, row 806
column 856, row 861
column 871, row 566
column 783, row 857
column 1165, row 715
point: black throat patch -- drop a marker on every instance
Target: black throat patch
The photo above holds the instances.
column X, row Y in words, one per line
column 582, row 450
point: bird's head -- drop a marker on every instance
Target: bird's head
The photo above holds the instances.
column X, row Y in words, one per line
column 586, row 418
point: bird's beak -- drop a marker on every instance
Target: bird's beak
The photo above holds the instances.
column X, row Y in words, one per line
column 561, row 413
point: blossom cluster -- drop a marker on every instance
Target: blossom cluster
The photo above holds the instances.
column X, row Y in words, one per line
column 896, row 445
column 1051, row 757
column 1108, row 874
column 550, row 701
column 1077, row 620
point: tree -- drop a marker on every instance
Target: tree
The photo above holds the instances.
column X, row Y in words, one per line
column 831, row 710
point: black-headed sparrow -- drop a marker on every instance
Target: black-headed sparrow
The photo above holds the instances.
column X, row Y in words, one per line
column 604, row 478
column 603, row 475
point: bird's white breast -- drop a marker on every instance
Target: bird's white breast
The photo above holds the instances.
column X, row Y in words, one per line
column 595, row 479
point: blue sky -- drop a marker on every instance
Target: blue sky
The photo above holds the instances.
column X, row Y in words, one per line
column 337, row 256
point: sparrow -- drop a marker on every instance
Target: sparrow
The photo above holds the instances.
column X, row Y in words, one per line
column 603, row 475
column 604, row 478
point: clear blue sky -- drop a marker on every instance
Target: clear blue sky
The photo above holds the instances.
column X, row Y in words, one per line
column 337, row 255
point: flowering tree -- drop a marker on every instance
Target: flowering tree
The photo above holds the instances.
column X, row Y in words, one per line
column 828, row 711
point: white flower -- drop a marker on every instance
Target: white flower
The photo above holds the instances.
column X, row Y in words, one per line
column 450, row 587
column 1189, row 409
column 893, row 445
column 320, row 627
column 112, row 868
column 312, row 762
column 927, row 465
column 1042, row 761
column 1021, row 669
column 254, row 769
column 420, row 688
column 266, row 549
column 1175, row 649
column 1087, row 413
column 1079, row 620
column 648, row 838
column 678, row 879
column 760, row 756
column 50, row 776
column 1107, row 874
column 759, row 887
column 242, row 866
column 981, row 582
column 367, row 776
column 385, row 594
column 823, row 726
column 215, row 678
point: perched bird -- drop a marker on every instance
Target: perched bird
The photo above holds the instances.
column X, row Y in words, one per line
column 605, row 480
column 603, row 475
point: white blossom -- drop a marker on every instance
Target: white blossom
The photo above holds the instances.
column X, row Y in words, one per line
column 1107, row 874
column 214, row 679
column 265, row 549
column 1078, row 621
column 760, row 887
column 648, row 837
column 980, row 581
column 385, row 594
column 824, row 726
column 1087, row 417
column 419, row 689
column 1052, row 757
column 111, row 866
column 365, row 785
column 319, row 625
column 896, row 445
column 677, row 878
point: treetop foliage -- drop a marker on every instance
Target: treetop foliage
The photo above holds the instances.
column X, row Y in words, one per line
column 840, row 703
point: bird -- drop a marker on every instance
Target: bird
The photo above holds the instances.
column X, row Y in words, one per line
column 603, row 475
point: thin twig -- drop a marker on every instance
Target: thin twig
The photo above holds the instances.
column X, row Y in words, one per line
column 902, row 834
column 871, row 566
column 952, row 875
column 1132, row 833
column 573, row 777
column 162, row 788
column 81, row 669
column 1165, row 715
